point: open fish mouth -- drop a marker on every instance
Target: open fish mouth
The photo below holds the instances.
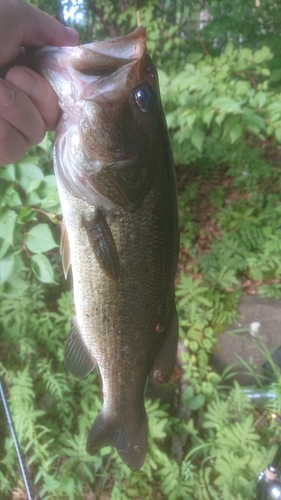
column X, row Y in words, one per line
column 103, row 56
column 96, row 59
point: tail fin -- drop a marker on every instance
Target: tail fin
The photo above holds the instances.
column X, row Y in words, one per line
column 127, row 436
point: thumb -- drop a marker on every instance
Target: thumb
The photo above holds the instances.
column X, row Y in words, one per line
column 22, row 24
column 42, row 29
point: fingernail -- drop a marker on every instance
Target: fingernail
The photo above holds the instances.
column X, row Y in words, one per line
column 6, row 94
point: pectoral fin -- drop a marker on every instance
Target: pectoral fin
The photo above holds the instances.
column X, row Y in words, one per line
column 103, row 244
column 77, row 358
column 64, row 249
column 165, row 360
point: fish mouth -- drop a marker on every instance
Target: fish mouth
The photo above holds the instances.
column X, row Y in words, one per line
column 103, row 57
column 86, row 71
column 96, row 58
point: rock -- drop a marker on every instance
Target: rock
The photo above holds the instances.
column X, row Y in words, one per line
column 258, row 325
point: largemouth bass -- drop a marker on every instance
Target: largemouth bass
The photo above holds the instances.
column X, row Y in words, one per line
column 115, row 175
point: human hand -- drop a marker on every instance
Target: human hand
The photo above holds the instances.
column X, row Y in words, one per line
column 28, row 104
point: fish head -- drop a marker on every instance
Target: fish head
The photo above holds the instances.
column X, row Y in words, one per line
column 112, row 113
column 121, row 101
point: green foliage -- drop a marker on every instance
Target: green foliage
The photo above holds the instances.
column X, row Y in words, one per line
column 229, row 452
column 225, row 98
column 28, row 217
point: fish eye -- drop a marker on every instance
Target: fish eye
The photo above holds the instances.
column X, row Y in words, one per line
column 144, row 97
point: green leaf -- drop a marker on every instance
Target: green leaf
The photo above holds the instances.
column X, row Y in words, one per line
column 3, row 248
column 261, row 98
column 190, row 117
column 6, row 269
column 26, row 214
column 163, row 78
column 188, row 393
column 193, row 57
column 275, row 117
column 253, row 120
column 10, row 198
column 40, row 239
column 207, row 115
column 7, row 225
column 196, row 402
column 229, row 49
column 278, row 134
column 33, row 185
column 241, row 88
column 219, row 119
column 262, row 55
column 8, row 173
column 274, row 106
column 193, row 346
column 207, row 344
column 51, row 202
column 170, row 480
column 207, row 388
column 27, row 172
column 227, row 104
column 33, row 198
column 236, row 132
column 197, row 138
column 256, row 273
column 42, row 268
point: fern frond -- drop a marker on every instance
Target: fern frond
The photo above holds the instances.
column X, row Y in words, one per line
column 217, row 414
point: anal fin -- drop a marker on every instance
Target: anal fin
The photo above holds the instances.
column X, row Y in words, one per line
column 165, row 359
column 77, row 358
column 129, row 437
column 103, row 244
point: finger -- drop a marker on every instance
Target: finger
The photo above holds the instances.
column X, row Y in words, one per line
column 19, row 111
column 42, row 29
column 22, row 24
column 12, row 144
column 39, row 91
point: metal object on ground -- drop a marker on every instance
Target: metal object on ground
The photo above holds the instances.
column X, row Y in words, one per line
column 258, row 395
column 269, row 480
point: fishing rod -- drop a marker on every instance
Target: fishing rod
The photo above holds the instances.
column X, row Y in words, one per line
column 16, row 444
